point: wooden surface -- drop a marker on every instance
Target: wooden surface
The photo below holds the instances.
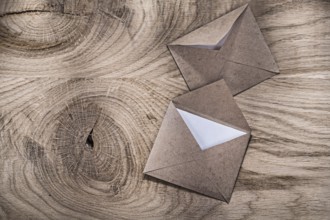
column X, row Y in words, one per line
column 68, row 68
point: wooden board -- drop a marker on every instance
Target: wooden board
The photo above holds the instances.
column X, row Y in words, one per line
column 72, row 68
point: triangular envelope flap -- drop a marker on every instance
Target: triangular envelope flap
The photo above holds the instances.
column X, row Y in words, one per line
column 246, row 44
column 174, row 143
column 189, row 175
column 214, row 102
column 240, row 77
column 213, row 32
column 198, row 66
column 223, row 163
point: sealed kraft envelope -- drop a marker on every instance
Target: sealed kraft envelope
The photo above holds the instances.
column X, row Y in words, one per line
column 201, row 143
column 231, row 47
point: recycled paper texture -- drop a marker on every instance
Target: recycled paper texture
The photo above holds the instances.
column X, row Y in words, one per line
column 178, row 158
column 231, row 47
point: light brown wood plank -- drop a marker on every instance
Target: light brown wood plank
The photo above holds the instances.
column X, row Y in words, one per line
column 67, row 67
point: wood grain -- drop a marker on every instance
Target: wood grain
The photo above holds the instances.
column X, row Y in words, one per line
column 69, row 68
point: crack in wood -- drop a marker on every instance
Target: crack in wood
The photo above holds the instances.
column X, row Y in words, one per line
column 90, row 141
column 39, row 11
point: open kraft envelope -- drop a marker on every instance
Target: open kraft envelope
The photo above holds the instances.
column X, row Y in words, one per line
column 231, row 47
column 202, row 142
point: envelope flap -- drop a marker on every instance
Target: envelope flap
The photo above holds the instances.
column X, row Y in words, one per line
column 246, row 45
column 194, row 61
column 174, row 143
column 222, row 163
column 212, row 173
column 212, row 33
column 189, row 175
column 214, row 102
column 240, row 77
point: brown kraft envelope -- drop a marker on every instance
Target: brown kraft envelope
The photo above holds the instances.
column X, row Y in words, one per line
column 231, row 47
column 178, row 158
